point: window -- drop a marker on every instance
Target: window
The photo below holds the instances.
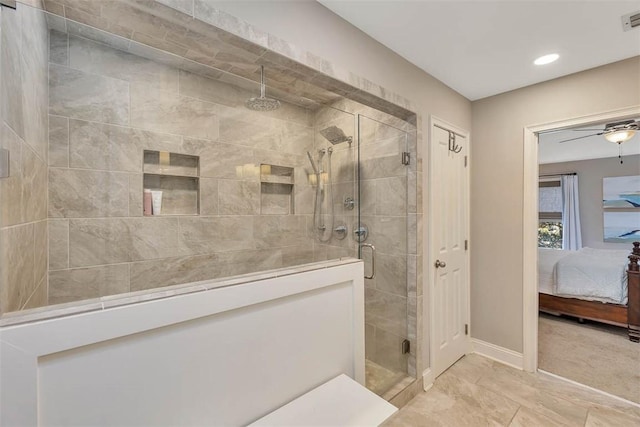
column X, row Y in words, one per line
column 550, row 214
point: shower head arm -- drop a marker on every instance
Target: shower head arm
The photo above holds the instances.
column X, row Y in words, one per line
column 262, row 86
column 262, row 103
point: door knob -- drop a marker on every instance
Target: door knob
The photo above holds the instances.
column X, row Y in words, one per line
column 440, row 264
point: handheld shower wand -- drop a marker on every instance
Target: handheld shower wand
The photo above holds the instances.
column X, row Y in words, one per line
column 313, row 164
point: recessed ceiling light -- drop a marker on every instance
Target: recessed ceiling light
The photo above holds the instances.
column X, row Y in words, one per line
column 546, row 59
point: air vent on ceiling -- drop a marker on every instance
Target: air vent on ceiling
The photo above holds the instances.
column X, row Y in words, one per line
column 631, row 20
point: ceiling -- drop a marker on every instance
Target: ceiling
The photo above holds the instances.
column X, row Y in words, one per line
column 482, row 48
column 550, row 150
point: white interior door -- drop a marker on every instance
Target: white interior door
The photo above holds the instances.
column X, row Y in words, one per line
column 449, row 287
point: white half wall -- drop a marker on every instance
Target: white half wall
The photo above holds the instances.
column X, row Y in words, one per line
column 222, row 356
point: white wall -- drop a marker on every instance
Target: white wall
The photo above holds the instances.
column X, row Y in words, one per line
column 497, row 183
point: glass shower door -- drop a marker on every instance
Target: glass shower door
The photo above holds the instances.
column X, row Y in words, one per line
column 383, row 225
column 24, row 152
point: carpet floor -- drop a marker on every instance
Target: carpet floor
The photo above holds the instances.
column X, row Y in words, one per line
column 600, row 356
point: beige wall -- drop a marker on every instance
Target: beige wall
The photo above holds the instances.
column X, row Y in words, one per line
column 590, row 174
column 497, row 183
column 23, row 131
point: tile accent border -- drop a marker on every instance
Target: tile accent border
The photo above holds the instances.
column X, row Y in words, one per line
column 243, row 29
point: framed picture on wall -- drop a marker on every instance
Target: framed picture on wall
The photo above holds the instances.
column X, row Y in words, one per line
column 621, row 192
column 621, row 227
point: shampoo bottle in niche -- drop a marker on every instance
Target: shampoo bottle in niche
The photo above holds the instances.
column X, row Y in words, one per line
column 147, row 209
column 156, row 199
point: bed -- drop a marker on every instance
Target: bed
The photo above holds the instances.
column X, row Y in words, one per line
column 594, row 284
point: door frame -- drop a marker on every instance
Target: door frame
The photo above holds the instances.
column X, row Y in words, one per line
column 530, row 221
column 428, row 236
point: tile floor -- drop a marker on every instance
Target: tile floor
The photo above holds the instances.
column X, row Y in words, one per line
column 480, row 392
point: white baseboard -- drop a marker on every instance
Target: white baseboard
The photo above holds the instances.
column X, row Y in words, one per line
column 500, row 354
column 427, row 379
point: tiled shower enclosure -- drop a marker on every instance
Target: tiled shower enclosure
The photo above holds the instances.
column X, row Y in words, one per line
column 103, row 100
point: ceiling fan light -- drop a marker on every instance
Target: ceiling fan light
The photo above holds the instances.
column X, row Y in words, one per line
column 620, row 136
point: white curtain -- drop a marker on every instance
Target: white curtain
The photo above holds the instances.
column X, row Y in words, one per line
column 571, row 236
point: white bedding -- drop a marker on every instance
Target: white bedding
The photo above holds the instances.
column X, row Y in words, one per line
column 547, row 259
column 592, row 274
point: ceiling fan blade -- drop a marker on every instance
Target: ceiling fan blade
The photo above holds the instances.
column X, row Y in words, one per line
column 580, row 137
column 545, row 132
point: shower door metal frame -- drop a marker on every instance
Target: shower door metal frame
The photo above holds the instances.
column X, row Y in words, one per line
column 404, row 159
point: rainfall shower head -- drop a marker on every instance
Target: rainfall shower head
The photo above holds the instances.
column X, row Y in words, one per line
column 262, row 103
column 335, row 135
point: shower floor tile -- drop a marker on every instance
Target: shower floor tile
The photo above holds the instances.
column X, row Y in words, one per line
column 381, row 380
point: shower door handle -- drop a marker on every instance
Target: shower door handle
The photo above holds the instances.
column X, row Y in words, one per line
column 373, row 259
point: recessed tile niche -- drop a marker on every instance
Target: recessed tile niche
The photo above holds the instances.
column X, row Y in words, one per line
column 276, row 190
column 177, row 176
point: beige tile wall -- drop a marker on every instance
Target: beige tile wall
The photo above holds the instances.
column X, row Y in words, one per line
column 108, row 106
column 23, row 131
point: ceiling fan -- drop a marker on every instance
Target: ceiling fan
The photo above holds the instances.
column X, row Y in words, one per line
column 617, row 132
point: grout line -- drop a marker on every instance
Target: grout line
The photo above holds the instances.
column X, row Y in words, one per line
column 514, row 415
column 129, row 265
column 23, row 224
column 41, row 283
column 586, row 416
column 192, row 138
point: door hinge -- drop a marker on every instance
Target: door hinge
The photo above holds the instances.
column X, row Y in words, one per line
column 406, row 346
column 466, row 245
column 465, row 161
column 8, row 3
column 466, row 329
column 406, row 158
